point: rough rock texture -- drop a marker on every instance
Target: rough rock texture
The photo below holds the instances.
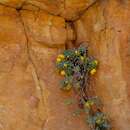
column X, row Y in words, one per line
column 69, row 9
column 19, row 99
column 106, row 28
column 30, row 98
column 33, row 32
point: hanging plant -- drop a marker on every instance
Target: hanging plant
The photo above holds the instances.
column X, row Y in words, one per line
column 76, row 66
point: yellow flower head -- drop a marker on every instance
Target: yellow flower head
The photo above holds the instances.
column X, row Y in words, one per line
column 98, row 121
column 82, row 58
column 65, row 65
column 62, row 73
column 58, row 60
column 93, row 71
column 87, row 105
column 76, row 52
column 68, row 87
column 96, row 62
column 61, row 56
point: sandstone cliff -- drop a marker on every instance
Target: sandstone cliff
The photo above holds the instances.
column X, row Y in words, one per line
column 33, row 32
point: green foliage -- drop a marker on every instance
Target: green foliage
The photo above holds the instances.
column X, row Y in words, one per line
column 75, row 65
column 98, row 121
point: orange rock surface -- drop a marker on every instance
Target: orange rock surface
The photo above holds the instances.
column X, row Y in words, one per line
column 33, row 33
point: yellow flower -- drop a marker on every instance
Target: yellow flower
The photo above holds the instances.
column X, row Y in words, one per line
column 76, row 52
column 65, row 65
column 96, row 62
column 62, row 73
column 98, row 121
column 68, row 87
column 93, row 71
column 61, row 56
column 58, row 60
column 87, row 105
column 82, row 58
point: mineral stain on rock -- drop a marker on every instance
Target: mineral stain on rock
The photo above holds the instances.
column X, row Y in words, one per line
column 33, row 33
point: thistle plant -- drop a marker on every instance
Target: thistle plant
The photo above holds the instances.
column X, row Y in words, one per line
column 76, row 66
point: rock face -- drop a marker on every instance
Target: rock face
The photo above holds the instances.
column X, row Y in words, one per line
column 33, row 33
column 106, row 28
